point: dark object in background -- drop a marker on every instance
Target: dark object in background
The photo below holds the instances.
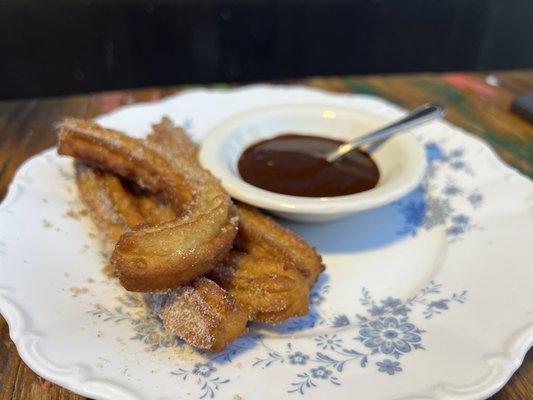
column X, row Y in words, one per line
column 55, row 47
column 523, row 106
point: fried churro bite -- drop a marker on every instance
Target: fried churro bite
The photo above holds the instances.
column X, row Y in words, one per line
column 172, row 231
column 260, row 235
column 172, row 253
column 272, row 291
column 271, row 270
column 203, row 314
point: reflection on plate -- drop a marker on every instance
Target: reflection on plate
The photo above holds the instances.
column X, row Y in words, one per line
column 427, row 297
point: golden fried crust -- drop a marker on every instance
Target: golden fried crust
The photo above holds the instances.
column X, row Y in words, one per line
column 173, row 139
column 274, row 272
column 262, row 236
column 272, row 291
column 94, row 192
column 154, row 266
column 153, row 210
column 203, row 314
column 232, row 319
column 171, row 253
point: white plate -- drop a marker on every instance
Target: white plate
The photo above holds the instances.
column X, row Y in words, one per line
column 426, row 298
column 401, row 160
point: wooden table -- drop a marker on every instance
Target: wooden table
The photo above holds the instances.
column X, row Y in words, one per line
column 476, row 102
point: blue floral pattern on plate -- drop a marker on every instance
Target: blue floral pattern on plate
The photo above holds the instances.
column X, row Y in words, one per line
column 388, row 330
column 206, row 378
column 432, row 205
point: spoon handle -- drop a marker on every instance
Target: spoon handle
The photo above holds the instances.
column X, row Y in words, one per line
column 418, row 116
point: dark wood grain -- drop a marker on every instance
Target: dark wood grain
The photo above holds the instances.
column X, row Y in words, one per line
column 477, row 102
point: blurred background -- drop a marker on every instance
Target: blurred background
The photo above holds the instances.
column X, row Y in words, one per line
column 58, row 47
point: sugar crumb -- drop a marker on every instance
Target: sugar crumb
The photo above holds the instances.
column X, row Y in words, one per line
column 71, row 214
column 76, row 291
column 108, row 270
column 46, row 223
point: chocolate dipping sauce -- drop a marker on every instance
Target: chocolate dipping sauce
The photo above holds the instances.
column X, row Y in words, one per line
column 295, row 165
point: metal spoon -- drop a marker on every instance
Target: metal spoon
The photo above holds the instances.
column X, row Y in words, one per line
column 418, row 116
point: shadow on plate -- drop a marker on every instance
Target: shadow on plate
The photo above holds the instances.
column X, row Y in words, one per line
column 366, row 230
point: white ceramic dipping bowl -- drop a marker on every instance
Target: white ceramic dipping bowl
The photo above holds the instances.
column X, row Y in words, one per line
column 401, row 159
